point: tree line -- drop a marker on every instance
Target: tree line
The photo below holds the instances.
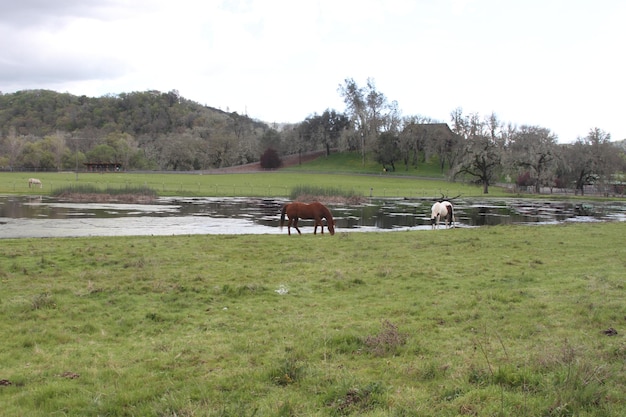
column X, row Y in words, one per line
column 481, row 149
column 152, row 130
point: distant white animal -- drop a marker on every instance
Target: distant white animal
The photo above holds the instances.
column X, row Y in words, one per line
column 33, row 182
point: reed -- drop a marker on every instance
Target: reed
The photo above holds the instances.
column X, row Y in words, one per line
column 299, row 191
column 94, row 189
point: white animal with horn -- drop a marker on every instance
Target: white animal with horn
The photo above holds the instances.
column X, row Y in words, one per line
column 34, row 181
column 442, row 209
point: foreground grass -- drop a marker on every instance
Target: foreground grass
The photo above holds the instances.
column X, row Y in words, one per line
column 491, row 321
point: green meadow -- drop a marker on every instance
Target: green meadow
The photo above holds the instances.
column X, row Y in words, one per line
column 258, row 184
column 492, row 321
column 345, row 172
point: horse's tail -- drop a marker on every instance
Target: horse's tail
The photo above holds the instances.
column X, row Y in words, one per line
column 450, row 216
column 452, row 219
column 282, row 216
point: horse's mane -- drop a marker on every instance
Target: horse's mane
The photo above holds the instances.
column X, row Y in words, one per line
column 327, row 214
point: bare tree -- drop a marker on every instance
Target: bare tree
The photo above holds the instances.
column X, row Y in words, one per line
column 591, row 160
column 534, row 149
column 441, row 141
column 481, row 158
column 12, row 147
column 365, row 106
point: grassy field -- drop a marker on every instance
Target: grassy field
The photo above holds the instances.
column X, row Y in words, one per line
column 493, row 321
column 339, row 171
column 260, row 184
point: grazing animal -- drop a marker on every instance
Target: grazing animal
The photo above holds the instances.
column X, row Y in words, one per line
column 442, row 209
column 316, row 211
column 34, row 181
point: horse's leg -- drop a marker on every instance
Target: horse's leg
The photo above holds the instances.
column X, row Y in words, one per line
column 318, row 222
column 295, row 225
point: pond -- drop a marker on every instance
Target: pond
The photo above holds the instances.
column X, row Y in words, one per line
column 41, row 216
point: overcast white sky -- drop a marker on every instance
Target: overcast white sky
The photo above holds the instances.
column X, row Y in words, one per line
column 557, row 64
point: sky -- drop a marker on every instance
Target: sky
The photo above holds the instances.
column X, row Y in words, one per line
column 557, row 64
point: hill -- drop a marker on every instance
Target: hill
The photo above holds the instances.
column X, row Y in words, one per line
column 46, row 130
column 44, row 112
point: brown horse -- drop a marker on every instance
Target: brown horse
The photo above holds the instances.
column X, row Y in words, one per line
column 316, row 211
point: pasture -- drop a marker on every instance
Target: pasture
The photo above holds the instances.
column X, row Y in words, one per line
column 254, row 184
column 494, row 321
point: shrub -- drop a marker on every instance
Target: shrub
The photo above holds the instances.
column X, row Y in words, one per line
column 270, row 159
column 524, row 180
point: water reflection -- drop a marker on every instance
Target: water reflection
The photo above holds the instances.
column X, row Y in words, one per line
column 402, row 213
column 26, row 216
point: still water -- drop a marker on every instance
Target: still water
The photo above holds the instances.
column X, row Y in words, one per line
column 28, row 216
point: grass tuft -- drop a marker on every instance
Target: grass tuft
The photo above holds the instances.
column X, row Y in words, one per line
column 387, row 341
column 43, row 301
column 290, row 371
column 356, row 400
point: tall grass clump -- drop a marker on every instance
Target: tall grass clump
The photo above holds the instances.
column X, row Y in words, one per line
column 387, row 341
column 305, row 192
column 93, row 189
